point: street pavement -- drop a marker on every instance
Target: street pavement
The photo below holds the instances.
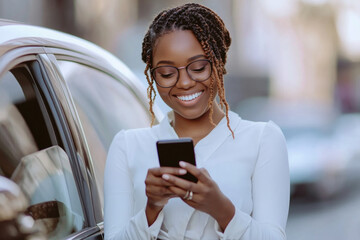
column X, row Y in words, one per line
column 333, row 219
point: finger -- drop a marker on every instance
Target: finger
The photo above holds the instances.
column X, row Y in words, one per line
column 167, row 170
column 157, row 181
column 178, row 191
column 159, row 191
column 157, row 195
column 200, row 173
column 156, row 198
column 182, row 193
column 181, row 183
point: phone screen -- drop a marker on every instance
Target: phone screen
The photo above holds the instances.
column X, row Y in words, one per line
column 172, row 151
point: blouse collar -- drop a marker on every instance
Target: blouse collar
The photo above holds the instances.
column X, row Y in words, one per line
column 206, row 146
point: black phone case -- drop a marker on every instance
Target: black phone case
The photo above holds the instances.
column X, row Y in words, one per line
column 170, row 152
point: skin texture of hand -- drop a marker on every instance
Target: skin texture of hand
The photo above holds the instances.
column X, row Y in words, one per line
column 207, row 196
column 157, row 190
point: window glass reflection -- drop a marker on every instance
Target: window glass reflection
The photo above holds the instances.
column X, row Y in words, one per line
column 46, row 178
column 28, row 157
column 105, row 106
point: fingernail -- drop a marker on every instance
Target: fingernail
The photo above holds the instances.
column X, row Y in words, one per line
column 182, row 171
column 165, row 176
column 182, row 164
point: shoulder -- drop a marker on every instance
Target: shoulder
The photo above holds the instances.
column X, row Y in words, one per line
column 136, row 134
column 269, row 135
column 130, row 139
column 258, row 130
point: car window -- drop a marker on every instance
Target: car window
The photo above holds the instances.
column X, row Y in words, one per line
column 32, row 157
column 46, row 178
column 105, row 106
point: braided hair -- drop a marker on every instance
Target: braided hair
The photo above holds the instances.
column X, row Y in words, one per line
column 210, row 31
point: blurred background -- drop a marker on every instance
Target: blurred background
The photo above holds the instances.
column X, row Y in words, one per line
column 295, row 62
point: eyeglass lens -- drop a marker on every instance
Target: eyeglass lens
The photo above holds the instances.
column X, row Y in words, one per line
column 167, row 76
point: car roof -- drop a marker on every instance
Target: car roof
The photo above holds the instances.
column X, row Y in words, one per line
column 15, row 35
column 4, row 22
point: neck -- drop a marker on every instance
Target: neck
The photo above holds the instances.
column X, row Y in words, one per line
column 197, row 128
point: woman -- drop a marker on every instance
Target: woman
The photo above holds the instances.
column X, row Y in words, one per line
column 242, row 169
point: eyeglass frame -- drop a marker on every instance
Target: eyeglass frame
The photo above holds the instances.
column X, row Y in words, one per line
column 178, row 70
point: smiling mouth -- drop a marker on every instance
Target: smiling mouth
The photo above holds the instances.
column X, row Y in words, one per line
column 189, row 97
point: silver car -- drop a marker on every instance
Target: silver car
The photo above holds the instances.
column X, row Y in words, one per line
column 62, row 100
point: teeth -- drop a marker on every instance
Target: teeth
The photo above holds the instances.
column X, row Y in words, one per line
column 189, row 97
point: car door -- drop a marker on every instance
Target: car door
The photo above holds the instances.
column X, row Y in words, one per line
column 105, row 102
column 63, row 100
column 98, row 101
column 37, row 149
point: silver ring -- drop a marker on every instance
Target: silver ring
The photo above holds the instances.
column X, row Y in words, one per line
column 186, row 195
column 190, row 196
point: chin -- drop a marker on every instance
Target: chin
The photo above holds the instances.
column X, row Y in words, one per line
column 191, row 115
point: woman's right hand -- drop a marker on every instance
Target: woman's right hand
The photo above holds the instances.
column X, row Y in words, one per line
column 157, row 190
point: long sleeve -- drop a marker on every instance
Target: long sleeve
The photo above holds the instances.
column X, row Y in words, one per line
column 270, row 191
column 120, row 220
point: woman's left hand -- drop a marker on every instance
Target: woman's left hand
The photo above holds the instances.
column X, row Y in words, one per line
column 206, row 194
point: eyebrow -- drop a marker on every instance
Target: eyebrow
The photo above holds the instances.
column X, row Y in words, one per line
column 189, row 60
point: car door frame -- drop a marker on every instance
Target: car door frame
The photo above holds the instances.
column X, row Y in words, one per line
column 90, row 193
column 61, row 54
column 44, row 80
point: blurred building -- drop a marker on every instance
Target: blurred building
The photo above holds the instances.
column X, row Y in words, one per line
column 287, row 49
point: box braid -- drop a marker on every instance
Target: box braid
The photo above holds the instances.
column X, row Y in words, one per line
column 210, row 31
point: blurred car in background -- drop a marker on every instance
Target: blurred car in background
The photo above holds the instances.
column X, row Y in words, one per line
column 318, row 160
column 347, row 133
column 318, row 165
column 62, row 100
column 347, row 136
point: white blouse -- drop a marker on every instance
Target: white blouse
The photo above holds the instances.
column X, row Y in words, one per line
column 251, row 170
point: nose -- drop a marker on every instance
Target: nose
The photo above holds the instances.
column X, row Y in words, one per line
column 184, row 82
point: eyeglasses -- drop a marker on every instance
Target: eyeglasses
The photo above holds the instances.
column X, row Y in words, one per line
column 167, row 76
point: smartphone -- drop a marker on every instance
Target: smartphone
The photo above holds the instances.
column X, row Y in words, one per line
column 170, row 152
